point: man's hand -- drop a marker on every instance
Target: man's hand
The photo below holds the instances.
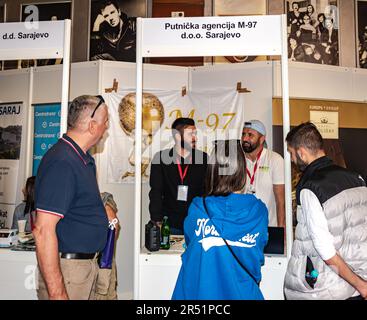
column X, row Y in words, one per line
column 111, row 215
column 97, row 23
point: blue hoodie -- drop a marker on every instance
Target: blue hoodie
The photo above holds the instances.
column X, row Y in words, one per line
column 209, row 270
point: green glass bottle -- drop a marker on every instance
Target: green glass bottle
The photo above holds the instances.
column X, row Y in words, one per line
column 165, row 233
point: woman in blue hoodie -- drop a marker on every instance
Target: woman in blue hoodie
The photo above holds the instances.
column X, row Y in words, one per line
column 225, row 233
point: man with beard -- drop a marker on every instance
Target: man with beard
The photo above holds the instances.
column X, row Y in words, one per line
column 114, row 35
column 331, row 240
column 265, row 171
column 177, row 176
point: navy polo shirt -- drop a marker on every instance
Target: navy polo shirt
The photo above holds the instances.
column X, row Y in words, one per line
column 66, row 186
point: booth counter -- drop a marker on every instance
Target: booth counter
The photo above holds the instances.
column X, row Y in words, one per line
column 159, row 270
column 158, row 274
column 18, row 271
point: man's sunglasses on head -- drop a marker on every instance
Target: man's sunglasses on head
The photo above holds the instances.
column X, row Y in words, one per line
column 101, row 100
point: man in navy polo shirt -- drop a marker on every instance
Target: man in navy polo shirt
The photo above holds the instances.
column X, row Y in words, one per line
column 71, row 226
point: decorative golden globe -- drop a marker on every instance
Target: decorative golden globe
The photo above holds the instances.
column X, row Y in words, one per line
column 153, row 113
column 152, row 119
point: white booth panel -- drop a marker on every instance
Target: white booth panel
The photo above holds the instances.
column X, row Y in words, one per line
column 14, row 85
column 154, row 76
column 17, row 275
column 314, row 81
column 159, row 271
column 359, row 85
column 47, row 82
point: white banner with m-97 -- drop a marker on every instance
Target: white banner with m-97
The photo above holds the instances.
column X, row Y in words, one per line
column 218, row 114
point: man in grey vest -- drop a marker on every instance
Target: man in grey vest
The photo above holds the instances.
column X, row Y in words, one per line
column 329, row 254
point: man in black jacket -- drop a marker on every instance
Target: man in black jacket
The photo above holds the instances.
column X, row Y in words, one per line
column 177, row 176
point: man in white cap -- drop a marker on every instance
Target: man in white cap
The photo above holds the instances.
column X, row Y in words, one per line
column 265, row 171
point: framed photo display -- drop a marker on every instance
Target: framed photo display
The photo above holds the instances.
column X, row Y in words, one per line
column 238, row 8
column 361, row 8
column 113, row 29
column 313, row 31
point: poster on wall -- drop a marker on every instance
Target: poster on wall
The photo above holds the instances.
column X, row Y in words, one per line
column 327, row 122
column 362, row 33
column 313, row 31
column 239, row 8
column 160, row 109
column 44, row 12
column 113, row 29
column 46, row 130
column 11, row 123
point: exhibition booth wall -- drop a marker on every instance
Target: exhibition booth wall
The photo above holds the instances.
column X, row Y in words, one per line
column 262, row 80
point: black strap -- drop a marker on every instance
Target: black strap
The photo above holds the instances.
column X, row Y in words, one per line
column 229, row 247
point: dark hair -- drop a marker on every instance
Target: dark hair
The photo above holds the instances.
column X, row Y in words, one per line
column 310, row 5
column 321, row 15
column 305, row 135
column 105, row 3
column 226, row 171
column 29, row 195
column 77, row 107
column 181, row 123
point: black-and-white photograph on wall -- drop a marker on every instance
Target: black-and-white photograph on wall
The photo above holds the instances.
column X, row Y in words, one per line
column 113, row 29
column 44, row 12
column 238, row 8
column 362, row 33
column 313, row 31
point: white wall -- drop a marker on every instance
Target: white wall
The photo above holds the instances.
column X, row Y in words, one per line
column 307, row 80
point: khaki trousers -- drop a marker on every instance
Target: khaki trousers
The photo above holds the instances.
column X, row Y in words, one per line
column 106, row 284
column 79, row 279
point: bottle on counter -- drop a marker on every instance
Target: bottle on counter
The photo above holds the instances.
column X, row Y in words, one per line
column 152, row 236
column 165, row 234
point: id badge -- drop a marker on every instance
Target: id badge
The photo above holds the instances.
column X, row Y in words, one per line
column 251, row 189
column 182, row 192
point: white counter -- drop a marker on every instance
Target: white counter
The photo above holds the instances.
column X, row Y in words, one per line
column 17, row 275
column 159, row 270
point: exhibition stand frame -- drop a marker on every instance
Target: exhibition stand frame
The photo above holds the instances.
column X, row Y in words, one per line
column 39, row 40
column 159, row 270
column 207, row 36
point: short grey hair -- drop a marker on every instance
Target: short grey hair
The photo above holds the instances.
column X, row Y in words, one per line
column 77, row 108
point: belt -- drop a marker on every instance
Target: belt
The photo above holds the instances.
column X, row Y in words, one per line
column 83, row 256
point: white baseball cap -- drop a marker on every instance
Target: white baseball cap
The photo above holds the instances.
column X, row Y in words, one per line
column 255, row 125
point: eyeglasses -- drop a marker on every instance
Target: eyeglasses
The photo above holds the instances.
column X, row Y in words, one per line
column 101, row 100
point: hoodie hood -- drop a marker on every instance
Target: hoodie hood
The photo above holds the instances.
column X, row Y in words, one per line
column 234, row 213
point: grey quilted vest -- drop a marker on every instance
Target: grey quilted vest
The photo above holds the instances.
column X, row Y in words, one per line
column 343, row 196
